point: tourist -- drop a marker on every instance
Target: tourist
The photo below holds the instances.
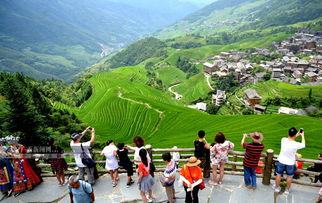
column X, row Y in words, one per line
column 286, row 158
column 252, row 156
column 80, row 191
column 110, row 153
column 57, row 163
column 139, row 143
column 175, row 155
column 219, row 156
column 317, row 168
column 6, row 171
column 298, row 165
column 78, row 148
column 125, row 162
column 169, row 176
column 191, row 175
column 202, row 153
column 145, row 180
column 24, row 178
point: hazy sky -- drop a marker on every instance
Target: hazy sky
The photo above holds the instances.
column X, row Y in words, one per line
column 204, row 2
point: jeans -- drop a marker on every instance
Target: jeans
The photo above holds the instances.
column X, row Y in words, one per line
column 249, row 176
column 89, row 172
column 280, row 168
column 194, row 197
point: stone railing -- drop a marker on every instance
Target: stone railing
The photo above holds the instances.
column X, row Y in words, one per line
column 233, row 166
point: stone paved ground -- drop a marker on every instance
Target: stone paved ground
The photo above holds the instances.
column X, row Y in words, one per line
column 231, row 191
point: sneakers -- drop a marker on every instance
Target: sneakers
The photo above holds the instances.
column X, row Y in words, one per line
column 276, row 189
column 220, row 182
column 150, row 200
column 114, row 184
column 287, row 191
column 249, row 186
column 129, row 184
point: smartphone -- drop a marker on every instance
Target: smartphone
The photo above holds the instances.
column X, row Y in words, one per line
column 248, row 135
column 301, row 130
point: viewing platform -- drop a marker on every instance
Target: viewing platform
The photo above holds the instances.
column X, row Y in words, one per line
column 231, row 191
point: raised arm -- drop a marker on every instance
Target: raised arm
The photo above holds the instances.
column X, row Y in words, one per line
column 303, row 138
column 243, row 140
column 93, row 137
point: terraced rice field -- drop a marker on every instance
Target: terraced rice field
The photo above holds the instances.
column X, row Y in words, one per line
column 122, row 107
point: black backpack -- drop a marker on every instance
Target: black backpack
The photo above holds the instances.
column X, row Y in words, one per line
column 199, row 149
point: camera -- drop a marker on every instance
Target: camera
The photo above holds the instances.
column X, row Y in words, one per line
column 301, row 130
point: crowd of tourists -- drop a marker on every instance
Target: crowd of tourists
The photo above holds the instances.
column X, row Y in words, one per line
column 17, row 174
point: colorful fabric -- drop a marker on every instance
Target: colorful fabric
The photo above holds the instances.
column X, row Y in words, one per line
column 219, row 152
column 6, row 179
column 252, row 155
column 170, row 173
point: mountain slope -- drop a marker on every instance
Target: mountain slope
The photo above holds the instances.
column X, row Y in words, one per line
column 240, row 15
column 73, row 32
column 122, row 107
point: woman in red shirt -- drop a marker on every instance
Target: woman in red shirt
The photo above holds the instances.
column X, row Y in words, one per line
column 191, row 175
column 145, row 180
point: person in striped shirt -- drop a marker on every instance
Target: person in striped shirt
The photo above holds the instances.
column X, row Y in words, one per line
column 169, row 176
column 252, row 156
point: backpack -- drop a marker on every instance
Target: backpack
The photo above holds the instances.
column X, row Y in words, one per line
column 199, row 149
column 86, row 160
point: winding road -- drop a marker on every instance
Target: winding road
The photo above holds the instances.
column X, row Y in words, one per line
column 176, row 94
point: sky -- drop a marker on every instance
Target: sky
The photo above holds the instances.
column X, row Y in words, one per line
column 204, row 2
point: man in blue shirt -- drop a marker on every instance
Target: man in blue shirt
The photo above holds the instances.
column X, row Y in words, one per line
column 80, row 191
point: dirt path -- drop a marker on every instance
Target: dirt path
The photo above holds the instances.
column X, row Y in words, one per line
column 208, row 82
column 147, row 105
column 176, row 94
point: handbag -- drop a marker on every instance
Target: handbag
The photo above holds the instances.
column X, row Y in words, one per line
column 86, row 160
column 201, row 185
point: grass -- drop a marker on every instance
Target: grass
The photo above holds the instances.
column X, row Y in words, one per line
column 123, row 118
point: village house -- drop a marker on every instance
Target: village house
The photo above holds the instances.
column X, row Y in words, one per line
column 209, row 68
column 276, row 73
column 252, row 98
column 312, row 76
column 259, row 109
column 297, row 74
column 219, row 98
column 199, row 106
column 286, row 110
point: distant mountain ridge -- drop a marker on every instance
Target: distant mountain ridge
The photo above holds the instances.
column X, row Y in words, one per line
column 240, row 15
column 59, row 38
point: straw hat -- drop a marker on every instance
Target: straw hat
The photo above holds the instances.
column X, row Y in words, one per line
column 193, row 161
column 257, row 137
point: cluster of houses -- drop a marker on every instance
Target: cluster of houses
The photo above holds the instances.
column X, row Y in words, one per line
column 289, row 68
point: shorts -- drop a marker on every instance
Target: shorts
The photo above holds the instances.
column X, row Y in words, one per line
column 216, row 161
column 280, row 168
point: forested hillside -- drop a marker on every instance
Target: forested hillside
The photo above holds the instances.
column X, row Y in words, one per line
column 240, row 15
column 46, row 39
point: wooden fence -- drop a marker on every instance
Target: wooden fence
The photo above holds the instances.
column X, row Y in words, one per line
column 233, row 166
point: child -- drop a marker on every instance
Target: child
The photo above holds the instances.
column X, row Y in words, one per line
column 219, row 156
column 125, row 162
column 110, row 152
column 169, row 176
column 298, row 165
column 145, row 180
column 202, row 153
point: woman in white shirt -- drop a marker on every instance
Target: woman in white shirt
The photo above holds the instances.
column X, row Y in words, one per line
column 110, row 152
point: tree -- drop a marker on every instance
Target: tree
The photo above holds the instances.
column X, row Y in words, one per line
column 310, row 94
column 267, row 76
column 23, row 117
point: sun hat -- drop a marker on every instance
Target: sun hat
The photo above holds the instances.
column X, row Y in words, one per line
column 257, row 137
column 193, row 161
